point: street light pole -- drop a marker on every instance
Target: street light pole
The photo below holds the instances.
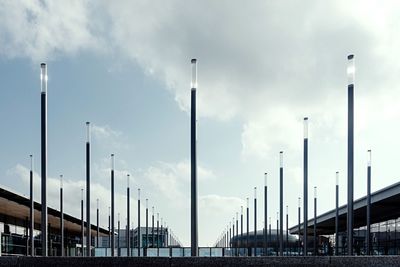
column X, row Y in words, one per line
column 128, row 212
column 152, row 226
column 88, row 224
column 32, row 210
column 315, row 221
column 147, row 226
column 112, row 208
column 247, row 241
column 299, row 219
column 98, row 225
column 194, row 231
column 265, row 214
column 139, row 237
column 305, row 185
column 241, row 226
column 82, row 225
column 44, row 225
column 337, row 216
column 287, row 230
column 368, row 242
column 62, row 215
column 350, row 153
column 255, row 221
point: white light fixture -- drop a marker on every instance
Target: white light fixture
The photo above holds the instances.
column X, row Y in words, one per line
column 194, row 74
column 351, row 69
column 43, row 77
column 305, row 123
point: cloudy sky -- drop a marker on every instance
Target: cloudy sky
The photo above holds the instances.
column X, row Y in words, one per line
column 262, row 67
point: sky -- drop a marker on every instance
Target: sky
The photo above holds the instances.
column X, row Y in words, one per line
column 262, row 67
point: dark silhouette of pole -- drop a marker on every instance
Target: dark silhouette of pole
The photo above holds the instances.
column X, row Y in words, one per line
column 119, row 235
column 194, row 232
column 315, row 221
column 230, row 234
column 247, row 237
column 241, row 226
column 82, row 225
column 158, row 234
column 350, row 153
column 31, row 210
column 368, row 242
column 281, row 203
column 337, row 216
column 44, row 224
column 255, row 221
column 237, row 232
column 152, row 226
column 305, row 185
column 299, row 220
column 128, row 212
column 109, row 227
column 265, row 213
column 139, row 237
column 277, row 234
column 98, row 223
column 270, row 241
column 88, row 224
column 62, row 215
column 112, row 208
column 287, row 230
column 147, row 225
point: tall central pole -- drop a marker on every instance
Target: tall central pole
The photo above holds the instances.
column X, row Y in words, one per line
column 350, row 153
column 147, row 226
column 193, row 137
column 299, row 220
column 247, row 229
column 255, row 221
column 88, row 224
column 128, row 212
column 98, row 225
column 82, row 226
column 281, row 203
column 368, row 235
column 112, row 208
column 62, row 215
column 43, row 82
column 152, row 227
column 315, row 221
column 265, row 214
column 32, row 210
column 337, row 216
column 287, row 230
column 305, row 185
column 241, row 226
column 139, row 236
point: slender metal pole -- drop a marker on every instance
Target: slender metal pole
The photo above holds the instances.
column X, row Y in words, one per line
column 112, row 208
column 152, row 226
column 305, row 185
column 241, row 226
column 44, row 224
column 287, row 230
column 368, row 235
column 162, row 233
column 350, row 154
column 255, row 221
column 299, row 221
column 98, row 224
column 337, row 216
column 139, row 236
column 194, row 231
column 158, row 234
column 281, row 203
column 119, row 235
column 247, row 242
column 88, row 224
column 147, row 225
column 265, row 214
column 128, row 212
column 82, row 226
column 32, row 210
column 277, row 234
column 62, row 216
column 270, row 241
column 237, row 231
column 315, row 221
column 109, row 227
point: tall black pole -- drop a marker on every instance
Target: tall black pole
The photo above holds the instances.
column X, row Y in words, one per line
column 350, row 153
column 237, row 229
column 299, row 220
column 62, row 215
column 305, row 185
column 31, row 210
column 269, row 232
column 152, row 226
column 162, row 233
column 119, row 234
column 230, row 234
column 109, row 227
column 44, row 225
column 112, row 208
column 368, row 242
column 158, row 232
column 139, row 236
column 337, row 216
column 281, row 203
column 265, row 214
column 147, row 226
column 97, row 223
column 128, row 212
column 277, row 234
column 255, row 221
column 194, row 232
column 315, row 221
column 247, row 221
column 88, row 224
column 241, row 226
column 82, row 225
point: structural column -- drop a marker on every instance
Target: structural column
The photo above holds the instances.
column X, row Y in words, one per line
column 305, row 185
column 44, row 225
column 350, row 153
